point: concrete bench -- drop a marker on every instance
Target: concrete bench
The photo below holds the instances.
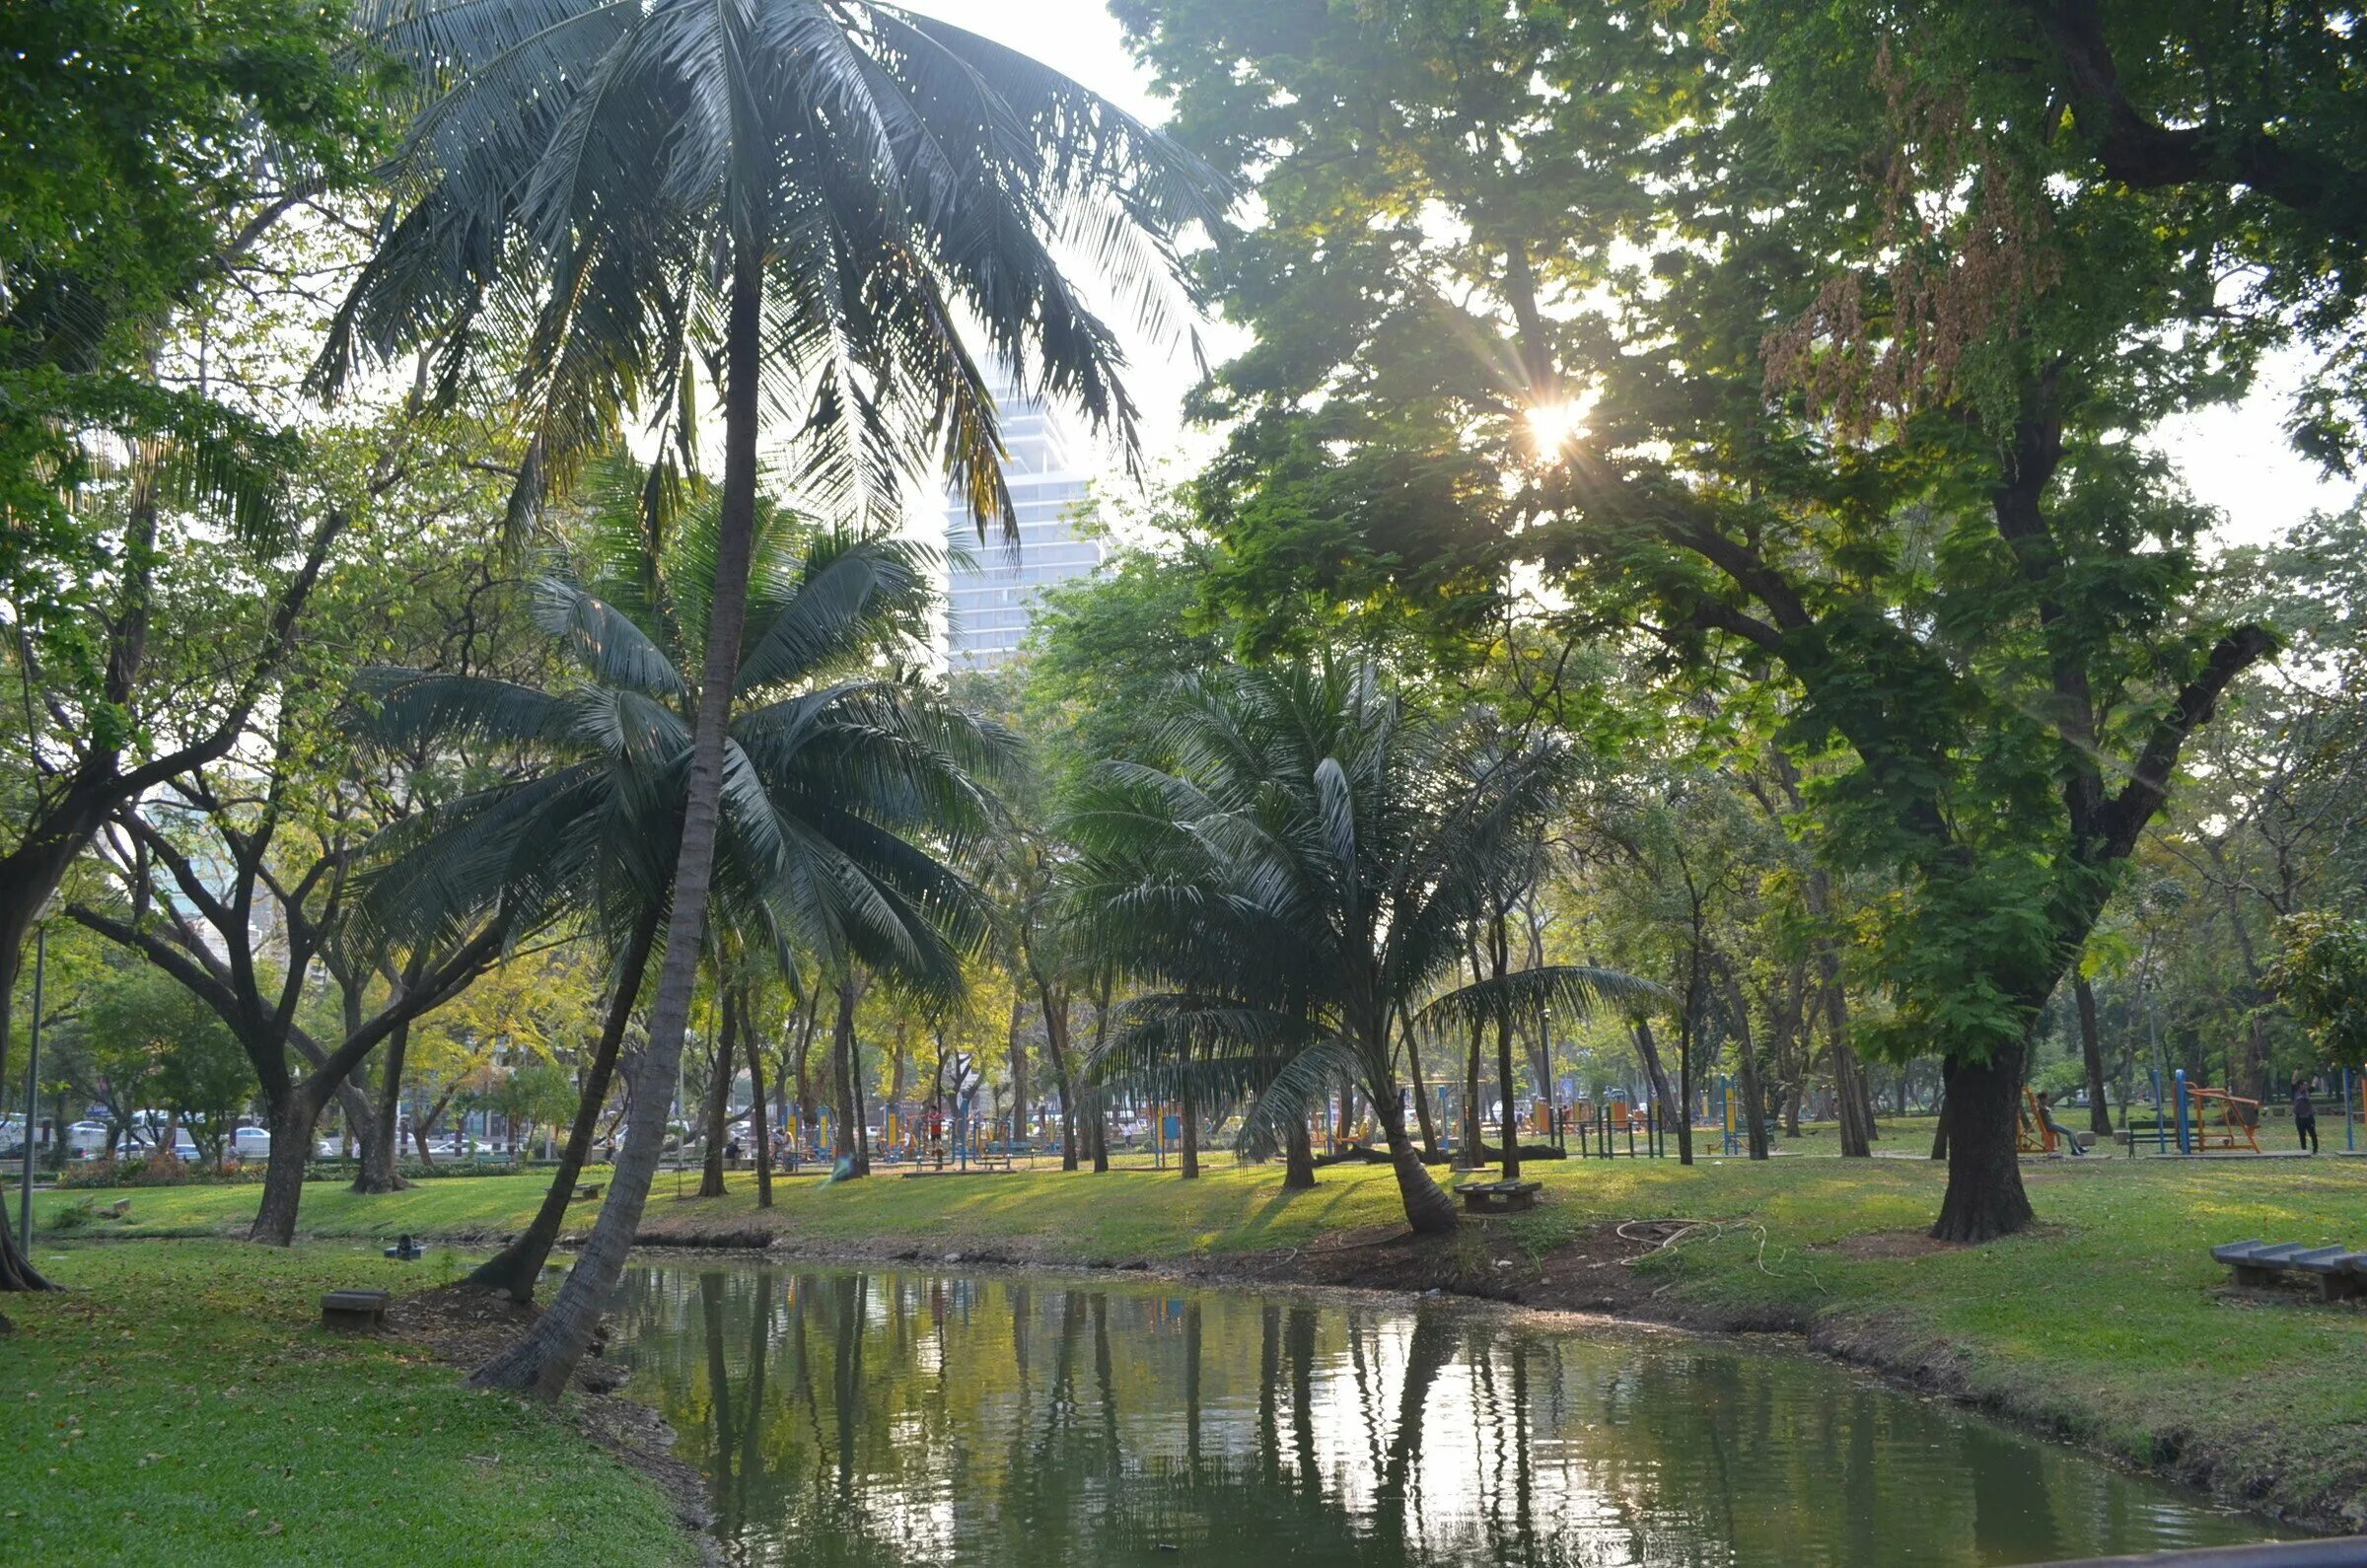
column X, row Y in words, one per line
column 2341, row 1273
column 1499, row 1197
column 355, row 1311
column 587, row 1189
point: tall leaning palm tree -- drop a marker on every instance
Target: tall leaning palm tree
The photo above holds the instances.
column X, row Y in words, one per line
column 602, row 199
column 845, row 783
column 1302, row 878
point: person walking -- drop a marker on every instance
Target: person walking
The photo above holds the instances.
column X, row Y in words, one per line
column 2305, row 1114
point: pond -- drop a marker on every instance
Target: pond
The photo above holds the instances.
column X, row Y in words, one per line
column 877, row 1417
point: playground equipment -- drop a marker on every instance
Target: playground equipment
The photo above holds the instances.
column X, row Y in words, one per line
column 2032, row 1135
column 2221, row 1120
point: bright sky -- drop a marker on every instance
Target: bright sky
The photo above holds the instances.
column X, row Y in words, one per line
column 2236, row 460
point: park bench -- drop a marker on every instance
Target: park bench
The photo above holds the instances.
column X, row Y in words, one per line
column 355, row 1311
column 2341, row 1272
column 1499, row 1197
column 587, row 1189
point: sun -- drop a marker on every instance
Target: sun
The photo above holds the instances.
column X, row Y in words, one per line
column 1554, row 425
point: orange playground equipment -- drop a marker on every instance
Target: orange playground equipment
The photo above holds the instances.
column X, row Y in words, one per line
column 2032, row 1135
column 2223, row 1120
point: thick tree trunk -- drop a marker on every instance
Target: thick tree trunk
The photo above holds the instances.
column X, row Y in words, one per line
column 517, row 1268
column 2090, row 1047
column 1298, row 1157
column 292, row 1122
column 1428, row 1209
column 16, row 1264
column 1189, row 1117
column 719, row 1092
column 547, row 1358
column 1985, row 1198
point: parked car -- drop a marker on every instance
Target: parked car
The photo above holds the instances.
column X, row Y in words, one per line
column 331, row 1147
column 251, row 1143
column 86, row 1140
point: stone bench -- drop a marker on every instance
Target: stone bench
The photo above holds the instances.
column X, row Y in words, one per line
column 587, row 1189
column 2341, row 1274
column 1499, row 1197
column 355, row 1311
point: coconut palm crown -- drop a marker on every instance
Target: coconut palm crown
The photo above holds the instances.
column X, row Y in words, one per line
column 1302, row 878
column 848, row 786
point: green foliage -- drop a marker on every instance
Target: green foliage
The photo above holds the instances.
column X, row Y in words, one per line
column 158, row 1044
column 2321, row 972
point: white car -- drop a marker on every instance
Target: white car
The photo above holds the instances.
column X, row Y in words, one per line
column 251, row 1143
column 86, row 1138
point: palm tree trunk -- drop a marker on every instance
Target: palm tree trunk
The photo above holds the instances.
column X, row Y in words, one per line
column 517, row 1268
column 719, row 1092
column 1499, row 961
column 1190, row 1123
column 843, row 1146
column 759, row 1124
column 1428, row 1209
column 545, row 1359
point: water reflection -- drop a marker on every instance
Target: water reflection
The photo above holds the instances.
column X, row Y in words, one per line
column 877, row 1419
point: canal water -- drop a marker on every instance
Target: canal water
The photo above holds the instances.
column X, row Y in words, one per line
column 911, row 1417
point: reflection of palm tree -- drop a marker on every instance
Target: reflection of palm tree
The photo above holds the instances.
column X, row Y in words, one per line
column 719, row 1398
column 1427, row 1351
column 1299, row 1340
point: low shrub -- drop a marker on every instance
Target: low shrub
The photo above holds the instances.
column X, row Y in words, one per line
column 156, row 1169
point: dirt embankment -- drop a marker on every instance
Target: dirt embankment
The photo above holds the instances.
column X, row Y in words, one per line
column 465, row 1326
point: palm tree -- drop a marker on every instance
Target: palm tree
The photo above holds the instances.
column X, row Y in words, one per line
column 598, row 197
column 833, row 769
column 1303, row 878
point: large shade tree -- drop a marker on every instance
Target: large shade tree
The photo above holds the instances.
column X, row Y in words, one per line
column 810, row 195
column 1770, row 337
column 1302, row 880
column 845, row 780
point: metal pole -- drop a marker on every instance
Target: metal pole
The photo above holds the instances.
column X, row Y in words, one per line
column 2348, row 1131
column 2179, row 1081
column 32, row 1087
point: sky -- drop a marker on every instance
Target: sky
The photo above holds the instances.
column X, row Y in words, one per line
column 2235, row 460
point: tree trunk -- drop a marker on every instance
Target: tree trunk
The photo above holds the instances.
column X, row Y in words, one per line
column 719, row 1092
column 2091, row 1046
column 283, row 1173
column 1429, row 1211
column 1298, row 1157
column 545, row 1359
column 16, row 1262
column 1098, row 1104
column 1421, row 1099
column 1189, row 1117
column 1500, row 958
column 1985, row 1198
column 1019, row 1073
column 1468, row 1154
column 377, row 1137
column 517, row 1268
column 843, row 1115
column 759, row 1124
column 1662, row 1096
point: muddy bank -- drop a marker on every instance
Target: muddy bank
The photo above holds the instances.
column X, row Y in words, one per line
column 465, row 1326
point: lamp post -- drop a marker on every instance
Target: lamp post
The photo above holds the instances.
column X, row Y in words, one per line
column 33, row 1082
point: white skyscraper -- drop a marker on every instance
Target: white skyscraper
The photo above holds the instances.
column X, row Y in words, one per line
column 991, row 597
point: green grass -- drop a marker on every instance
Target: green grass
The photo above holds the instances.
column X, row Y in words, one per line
column 179, row 1406
column 2108, row 1322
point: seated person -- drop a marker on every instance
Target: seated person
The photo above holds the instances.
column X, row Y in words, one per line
column 2046, row 1120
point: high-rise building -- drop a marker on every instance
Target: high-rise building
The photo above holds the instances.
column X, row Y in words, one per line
column 990, row 596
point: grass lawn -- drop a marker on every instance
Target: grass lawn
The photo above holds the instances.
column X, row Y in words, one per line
column 179, row 1406
column 2108, row 1322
